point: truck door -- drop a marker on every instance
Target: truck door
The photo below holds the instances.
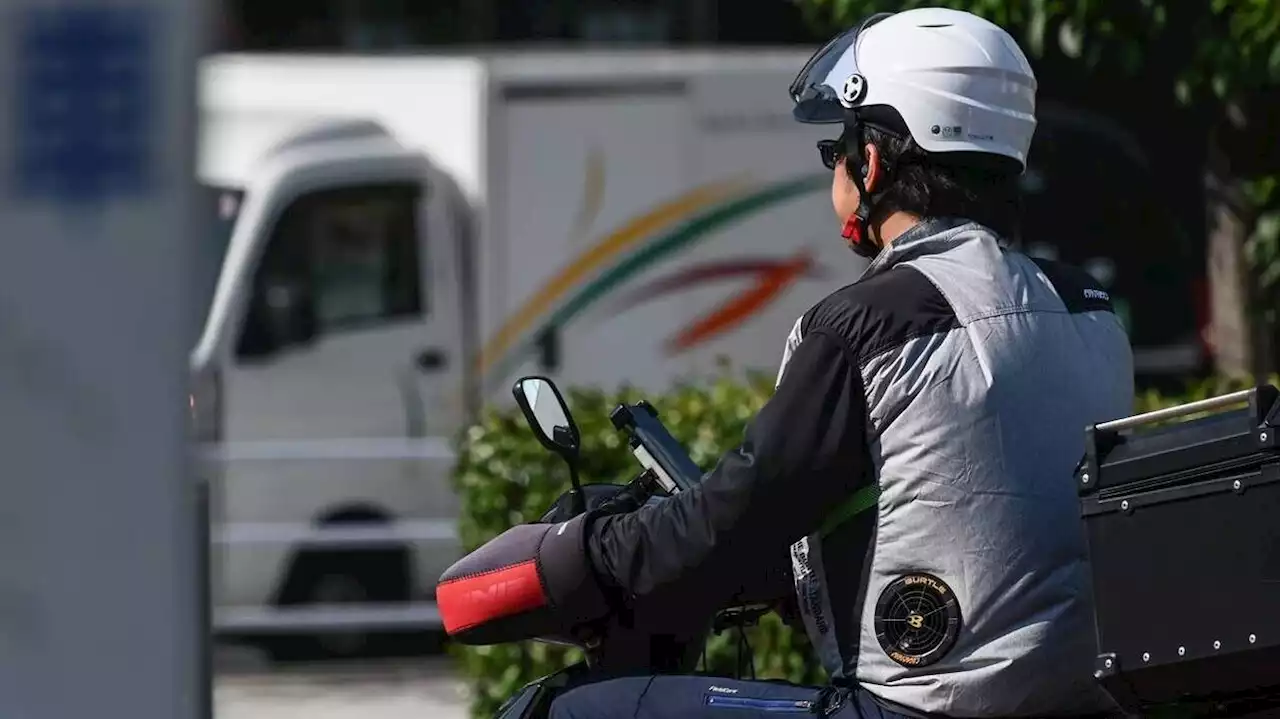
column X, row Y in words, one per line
column 345, row 369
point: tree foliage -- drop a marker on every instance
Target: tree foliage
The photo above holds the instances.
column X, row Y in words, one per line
column 1217, row 49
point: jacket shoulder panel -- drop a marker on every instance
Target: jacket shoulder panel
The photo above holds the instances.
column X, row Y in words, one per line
column 1079, row 291
column 882, row 312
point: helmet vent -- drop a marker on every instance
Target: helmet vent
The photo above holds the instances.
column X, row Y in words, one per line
column 945, row 24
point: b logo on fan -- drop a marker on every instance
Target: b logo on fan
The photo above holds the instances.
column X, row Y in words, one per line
column 855, row 86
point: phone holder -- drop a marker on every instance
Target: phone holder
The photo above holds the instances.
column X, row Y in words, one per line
column 654, row 447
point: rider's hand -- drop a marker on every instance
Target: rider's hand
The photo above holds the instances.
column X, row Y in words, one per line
column 596, row 496
column 620, row 503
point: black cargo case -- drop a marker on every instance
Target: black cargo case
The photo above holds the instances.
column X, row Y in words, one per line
column 1183, row 526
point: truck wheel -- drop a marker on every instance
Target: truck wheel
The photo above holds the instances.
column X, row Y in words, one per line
column 330, row 577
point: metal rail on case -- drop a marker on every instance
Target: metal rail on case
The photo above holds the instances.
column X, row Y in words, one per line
column 1203, row 405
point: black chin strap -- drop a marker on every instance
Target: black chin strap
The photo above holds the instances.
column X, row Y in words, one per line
column 857, row 229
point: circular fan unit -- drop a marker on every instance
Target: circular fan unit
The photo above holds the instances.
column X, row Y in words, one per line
column 917, row 619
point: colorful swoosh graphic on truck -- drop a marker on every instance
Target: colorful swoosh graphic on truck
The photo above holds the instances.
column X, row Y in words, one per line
column 638, row 244
column 616, row 243
column 772, row 277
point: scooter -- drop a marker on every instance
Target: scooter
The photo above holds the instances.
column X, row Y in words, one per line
column 1138, row 489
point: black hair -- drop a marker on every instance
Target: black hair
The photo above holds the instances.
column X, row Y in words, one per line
column 974, row 186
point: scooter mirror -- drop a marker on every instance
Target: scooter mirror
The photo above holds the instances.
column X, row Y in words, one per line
column 547, row 415
column 552, row 423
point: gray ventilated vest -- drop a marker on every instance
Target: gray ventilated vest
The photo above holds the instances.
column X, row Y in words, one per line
column 976, row 418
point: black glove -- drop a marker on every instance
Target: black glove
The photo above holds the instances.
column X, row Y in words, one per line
column 596, row 496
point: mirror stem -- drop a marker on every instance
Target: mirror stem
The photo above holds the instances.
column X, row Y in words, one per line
column 579, row 501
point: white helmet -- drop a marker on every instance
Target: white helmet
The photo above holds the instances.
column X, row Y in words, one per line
column 958, row 82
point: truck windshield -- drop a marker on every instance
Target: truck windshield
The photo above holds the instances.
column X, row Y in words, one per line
column 219, row 206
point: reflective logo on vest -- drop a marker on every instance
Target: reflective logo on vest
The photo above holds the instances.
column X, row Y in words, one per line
column 808, row 588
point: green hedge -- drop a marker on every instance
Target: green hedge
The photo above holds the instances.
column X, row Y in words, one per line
column 1202, row 389
column 504, row 477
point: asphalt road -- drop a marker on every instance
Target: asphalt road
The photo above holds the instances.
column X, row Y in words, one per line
column 375, row 689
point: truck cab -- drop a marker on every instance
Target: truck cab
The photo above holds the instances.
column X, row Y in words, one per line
column 328, row 378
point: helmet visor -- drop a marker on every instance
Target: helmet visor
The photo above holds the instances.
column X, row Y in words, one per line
column 816, row 90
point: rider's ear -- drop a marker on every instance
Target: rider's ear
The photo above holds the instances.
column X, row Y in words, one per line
column 871, row 174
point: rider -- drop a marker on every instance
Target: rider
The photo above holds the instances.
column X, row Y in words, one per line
column 912, row 475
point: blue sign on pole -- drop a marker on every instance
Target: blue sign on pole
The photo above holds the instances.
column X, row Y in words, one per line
column 84, row 106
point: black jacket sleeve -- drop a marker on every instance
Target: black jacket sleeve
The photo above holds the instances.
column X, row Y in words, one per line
column 802, row 456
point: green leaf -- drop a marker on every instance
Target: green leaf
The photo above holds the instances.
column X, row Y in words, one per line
column 1036, row 25
column 1070, row 39
column 1219, row 84
column 1182, row 91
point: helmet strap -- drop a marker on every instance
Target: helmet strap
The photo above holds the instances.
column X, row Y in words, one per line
column 857, row 233
column 857, row 229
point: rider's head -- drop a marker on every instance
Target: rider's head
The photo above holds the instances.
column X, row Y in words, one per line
column 938, row 110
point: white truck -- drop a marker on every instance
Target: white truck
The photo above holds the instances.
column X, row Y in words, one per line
column 401, row 237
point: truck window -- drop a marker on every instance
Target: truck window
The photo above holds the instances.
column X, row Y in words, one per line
column 338, row 260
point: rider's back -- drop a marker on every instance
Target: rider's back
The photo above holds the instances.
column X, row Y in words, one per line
column 977, row 421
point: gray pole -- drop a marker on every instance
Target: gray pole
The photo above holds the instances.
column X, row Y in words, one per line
column 99, row 550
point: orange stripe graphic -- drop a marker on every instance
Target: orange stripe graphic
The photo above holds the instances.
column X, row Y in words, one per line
column 739, row 308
